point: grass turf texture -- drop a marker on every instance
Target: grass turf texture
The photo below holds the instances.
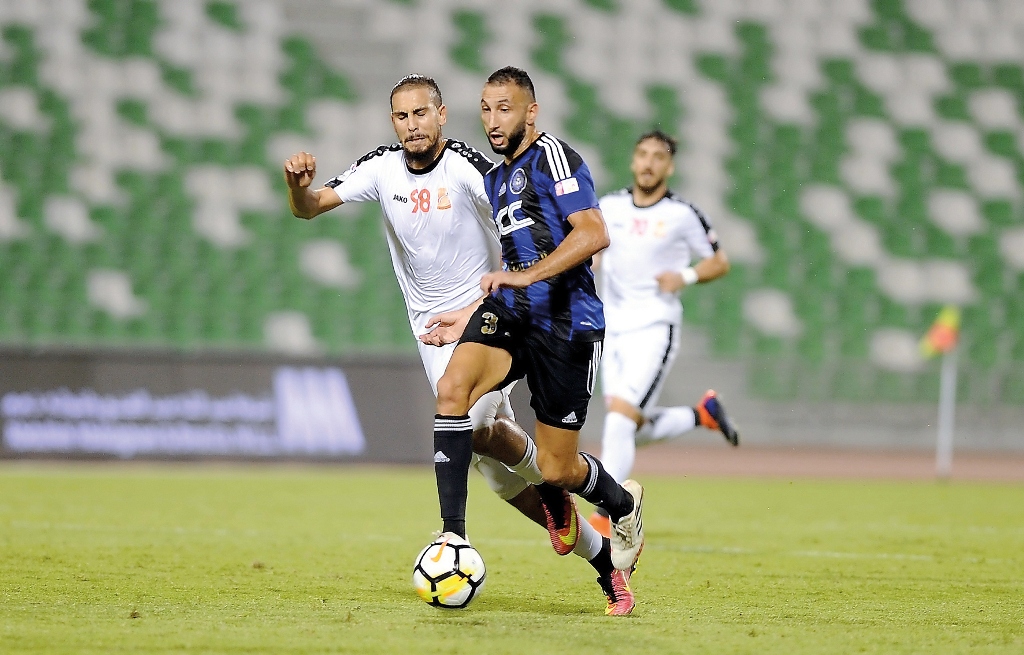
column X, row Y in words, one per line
column 103, row 559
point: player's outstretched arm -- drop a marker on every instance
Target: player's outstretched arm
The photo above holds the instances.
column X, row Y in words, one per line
column 299, row 171
column 707, row 269
column 588, row 236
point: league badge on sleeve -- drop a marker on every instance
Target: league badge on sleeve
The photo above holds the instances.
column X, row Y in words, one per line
column 566, row 186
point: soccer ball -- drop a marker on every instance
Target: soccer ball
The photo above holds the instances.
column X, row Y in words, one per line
column 449, row 572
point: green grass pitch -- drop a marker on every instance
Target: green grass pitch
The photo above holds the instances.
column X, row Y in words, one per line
column 290, row 559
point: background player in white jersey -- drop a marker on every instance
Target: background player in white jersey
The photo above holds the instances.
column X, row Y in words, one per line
column 655, row 238
column 442, row 240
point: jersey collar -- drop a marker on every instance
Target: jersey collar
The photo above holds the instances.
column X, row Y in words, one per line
column 524, row 152
column 632, row 199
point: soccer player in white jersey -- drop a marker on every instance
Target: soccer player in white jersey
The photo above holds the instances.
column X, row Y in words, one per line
column 437, row 218
column 659, row 244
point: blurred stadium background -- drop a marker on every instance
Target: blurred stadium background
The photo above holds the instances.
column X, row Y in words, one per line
column 863, row 162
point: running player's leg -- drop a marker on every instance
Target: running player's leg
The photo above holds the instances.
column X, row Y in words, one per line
column 636, row 366
column 561, row 375
column 671, row 422
column 633, row 371
column 474, row 369
column 525, row 497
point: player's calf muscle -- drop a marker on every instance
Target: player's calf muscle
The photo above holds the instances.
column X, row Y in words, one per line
column 561, row 469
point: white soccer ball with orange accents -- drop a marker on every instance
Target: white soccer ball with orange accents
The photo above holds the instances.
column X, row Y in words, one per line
column 449, row 572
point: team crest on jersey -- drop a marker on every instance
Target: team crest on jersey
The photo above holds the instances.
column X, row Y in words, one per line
column 518, row 181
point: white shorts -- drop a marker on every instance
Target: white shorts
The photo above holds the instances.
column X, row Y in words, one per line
column 502, row 481
column 636, row 363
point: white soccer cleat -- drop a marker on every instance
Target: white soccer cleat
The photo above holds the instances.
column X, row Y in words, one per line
column 627, row 535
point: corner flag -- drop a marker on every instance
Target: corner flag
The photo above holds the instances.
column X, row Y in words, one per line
column 944, row 333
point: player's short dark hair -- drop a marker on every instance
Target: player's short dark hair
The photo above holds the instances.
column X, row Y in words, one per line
column 414, row 80
column 513, row 75
column 669, row 142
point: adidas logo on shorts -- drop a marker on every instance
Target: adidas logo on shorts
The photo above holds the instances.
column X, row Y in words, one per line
column 440, row 457
column 571, row 418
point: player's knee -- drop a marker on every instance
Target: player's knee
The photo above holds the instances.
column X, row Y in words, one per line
column 482, row 440
column 452, row 395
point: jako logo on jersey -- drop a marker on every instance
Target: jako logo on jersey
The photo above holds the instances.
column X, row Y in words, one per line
column 507, row 221
column 401, row 198
column 566, row 186
column 518, row 181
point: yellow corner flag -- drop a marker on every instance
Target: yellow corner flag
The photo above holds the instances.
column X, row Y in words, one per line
column 943, row 334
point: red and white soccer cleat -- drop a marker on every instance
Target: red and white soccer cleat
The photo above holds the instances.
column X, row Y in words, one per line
column 627, row 535
column 616, row 590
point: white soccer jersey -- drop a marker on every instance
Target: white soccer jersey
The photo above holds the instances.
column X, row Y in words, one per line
column 438, row 224
column 667, row 236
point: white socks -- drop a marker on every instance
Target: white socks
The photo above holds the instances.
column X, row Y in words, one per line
column 589, row 543
column 618, row 445
column 668, row 423
column 527, row 469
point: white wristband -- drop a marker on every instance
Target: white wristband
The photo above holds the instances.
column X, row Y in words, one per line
column 689, row 276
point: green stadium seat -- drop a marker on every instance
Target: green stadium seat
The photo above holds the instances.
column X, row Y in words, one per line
column 202, row 296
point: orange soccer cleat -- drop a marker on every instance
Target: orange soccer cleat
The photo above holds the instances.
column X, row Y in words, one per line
column 712, row 416
column 564, row 535
column 601, row 523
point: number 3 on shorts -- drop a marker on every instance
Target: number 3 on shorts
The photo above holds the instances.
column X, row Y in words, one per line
column 490, row 325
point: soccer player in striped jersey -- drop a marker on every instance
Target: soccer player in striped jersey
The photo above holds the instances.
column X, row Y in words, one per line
column 437, row 219
column 656, row 237
column 541, row 319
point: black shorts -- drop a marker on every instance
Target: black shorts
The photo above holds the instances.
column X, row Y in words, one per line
column 560, row 373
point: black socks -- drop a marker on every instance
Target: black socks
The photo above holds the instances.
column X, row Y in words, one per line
column 453, row 451
column 602, row 562
column 600, row 489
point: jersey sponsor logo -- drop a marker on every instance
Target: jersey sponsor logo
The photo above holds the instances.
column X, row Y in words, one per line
column 507, row 221
column 518, row 181
column 443, row 202
column 399, row 198
column 567, row 186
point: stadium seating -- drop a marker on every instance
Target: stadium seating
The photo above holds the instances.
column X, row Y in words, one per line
column 862, row 160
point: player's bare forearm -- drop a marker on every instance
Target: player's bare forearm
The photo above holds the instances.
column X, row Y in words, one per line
column 706, row 270
column 304, row 203
column 588, row 236
column 713, row 267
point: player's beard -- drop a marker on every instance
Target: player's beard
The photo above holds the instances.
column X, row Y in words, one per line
column 515, row 139
column 423, row 157
column 648, row 189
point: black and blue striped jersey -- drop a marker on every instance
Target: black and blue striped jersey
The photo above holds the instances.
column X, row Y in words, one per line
column 531, row 199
